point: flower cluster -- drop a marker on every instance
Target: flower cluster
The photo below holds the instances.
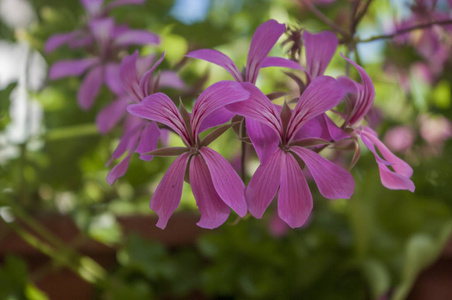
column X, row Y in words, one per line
column 103, row 40
column 130, row 79
column 287, row 138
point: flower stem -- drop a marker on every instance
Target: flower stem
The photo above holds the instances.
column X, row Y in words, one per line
column 325, row 19
column 405, row 30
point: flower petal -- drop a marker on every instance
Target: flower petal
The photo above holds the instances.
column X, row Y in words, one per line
column 398, row 180
column 226, row 181
column 264, row 184
column 365, row 96
column 396, row 163
column 145, row 80
column 119, row 170
column 213, row 98
column 170, row 79
column 76, row 67
column 322, row 94
column 102, row 29
column 166, row 197
column 220, row 116
column 129, row 76
column 113, row 79
column 264, row 139
column 214, row 211
column 129, row 139
column 258, row 107
column 110, row 115
column 320, row 48
column 321, row 127
column 395, row 181
column 264, row 38
column 90, row 87
column 272, row 61
column 333, row 181
column 158, row 107
column 57, row 40
column 295, row 199
column 136, row 37
column 149, row 139
column 219, row 59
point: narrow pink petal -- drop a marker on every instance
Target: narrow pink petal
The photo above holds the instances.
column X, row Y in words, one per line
column 112, row 78
column 76, row 67
column 264, row 38
column 258, row 107
column 321, row 127
column 166, row 197
column 158, row 107
column 264, row 139
column 146, row 78
column 90, row 87
column 102, row 29
column 272, row 61
column 221, row 116
column 322, row 94
column 213, row 98
column 226, row 181
column 129, row 76
column 214, row 211
column 110, row 115
column 335, row 132
column 370, row 145
column 263, row 185
column 57, row 40
column 320, row 48
column 314, row 128
column 295, row 199
column 394, row 181
column 149, row 139
column 350, row 85
column 171, row 79
column 119, row 170
column 333, row 181
column 219, row 59
column 399, row 166
column 365, row 96
column 128, row 141
column 136, row 37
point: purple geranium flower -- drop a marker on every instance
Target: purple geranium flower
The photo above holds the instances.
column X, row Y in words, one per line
column 107, row 39
column 139, row 135
column 360, row 100
column 214, row 182
column 282, row 167
column 264, row 38
column 95, row 9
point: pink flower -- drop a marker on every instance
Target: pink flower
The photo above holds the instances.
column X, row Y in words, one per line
column 215, row 184
column 133, row 84
column 107, row 39
column 264, row 38
column 395, row 173
column 281, row 167
column 400, row 138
